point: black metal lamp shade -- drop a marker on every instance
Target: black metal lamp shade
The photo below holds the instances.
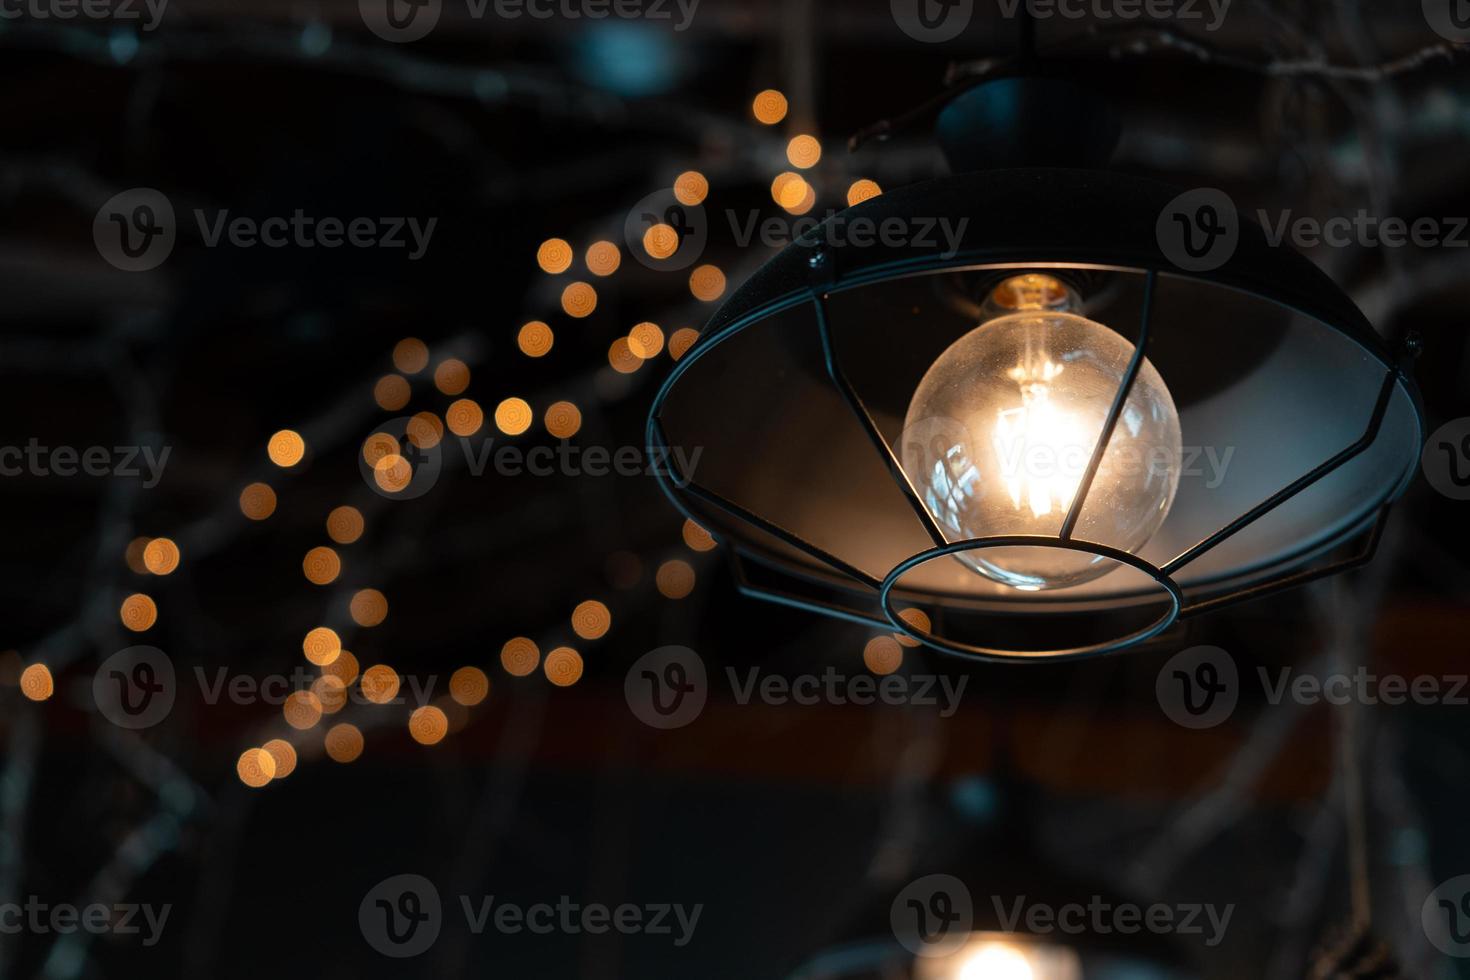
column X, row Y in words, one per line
column 1300, row 425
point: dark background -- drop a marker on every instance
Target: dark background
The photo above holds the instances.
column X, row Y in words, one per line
column 788, row 823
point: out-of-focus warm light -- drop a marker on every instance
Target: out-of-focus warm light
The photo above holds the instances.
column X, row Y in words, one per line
column 379, row 684
column 464, row 417
column 916, row 618
column 563, row 419
column 283, row 754
column 862, row 190
column 377, row 446
column 133, row 555
column 681, row 340
column 519, row 656
column 452, row 376
column 691, row 188
column 469, row 686
column 344, row 524
column 660, row 241
column 535, row 339
column 563, row 666
column 428, row 725
column 621, row 358
column 697, row 538
column 578, row 300
column 513, row 416
column 646, row 340
column 330, row 692
column 554, row 256
column 258, row 501
column 675, row 578
column 321, row 565
column 344, row 668
column 410, row 355
column 591, row 620
column 882, row 655
column 369, row 607
column 321, row 645
column 996, row 962
column 256, row 767
column 391, row 392
column 804, row 151
column 707, row 283
column 302, row 710
column 161, row 556
column 36, row 682
column 286, row 448
column 807, row 202
column 424, row 430
column 343, row 742
column 788, row 189
column 770, row 107
column 138, row 612
column 603, row 258
column 392, row 473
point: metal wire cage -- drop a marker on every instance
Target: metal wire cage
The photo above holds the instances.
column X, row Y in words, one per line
column 1263, row 354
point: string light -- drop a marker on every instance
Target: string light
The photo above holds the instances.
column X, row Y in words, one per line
column 161, row 556
column 916, row 618
column 302, row 710
column 862, row 190
column 591, row 620
column 391, row 392
column 770, row 106
column 675, row 578
column 286, row 448
column 424, row 430
column 452, row 376
column 379, row 683
column 681, row 340
column 804, row 152
column 513, row 416
column 520, row 656
column 428, row 725
column 621, row 357
column 882, row 655
column 138, row 612
column 410, row 355
column 807, row 202
column 464, row 417
column 256, row 767
column 258, row 501
column 646, row 340
column 283, row 754
column 603, row 258
column 36, row 682
column 788, row 189
column 378, row 446
column 707, row 283
column 344, row 524
column 133, row 555
column 535, row 339
column 321, row 645
column 697, row 538
column 392, row 473
column 690, row 188
column 554, row 256
column 331, row 693
column 660, row 241
column 343, row 742
column 368, row 607
column 344, row 668
column 469, row 686
column 578, row 300
column 563, row 666
column 321, row 565
column 563, row 419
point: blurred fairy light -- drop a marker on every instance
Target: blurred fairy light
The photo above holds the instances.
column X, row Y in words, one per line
column 691, row 188
column 392, row 473
column 302, row 710
column 707, row 283
column 133, row 555
column 138, row 612
column 368, row 607
column 646, row 340
column 807, row 202
column 563, row 666
column 283, row 754
column 379, row 684
column 343, row 742
column 428, row 725
column 425, row 430
column 36, row 682
column 769, row 107
column 603, row 258
column 410, row 355
column 578, row 300
column 916, row 618
column 513, row 416
column 255, row 767
column 999, row 956
column 882, row 655
column 286, row 448
column 862, row 190
column 321, row 645
column 321, row 566
column 675, row 578
column 563, row 419
column 554, row 256
column 621, row 358
column 161, row 556
column 391, row 393
column 452, row 376
column 804, row 152
column 344, row 668
column 258, row 501
column 535, row 339
column 464, row 417
column 681, row 340
column 344, row 524
column 788, row 189
column 469, row 686
column 696, row 537
column 629, row 58
column 331, row 693
column 591, row 620
column 660, row 241
column 520, row 656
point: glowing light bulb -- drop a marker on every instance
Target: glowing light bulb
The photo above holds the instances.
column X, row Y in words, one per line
column 996, row 962
column 1000, row 431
